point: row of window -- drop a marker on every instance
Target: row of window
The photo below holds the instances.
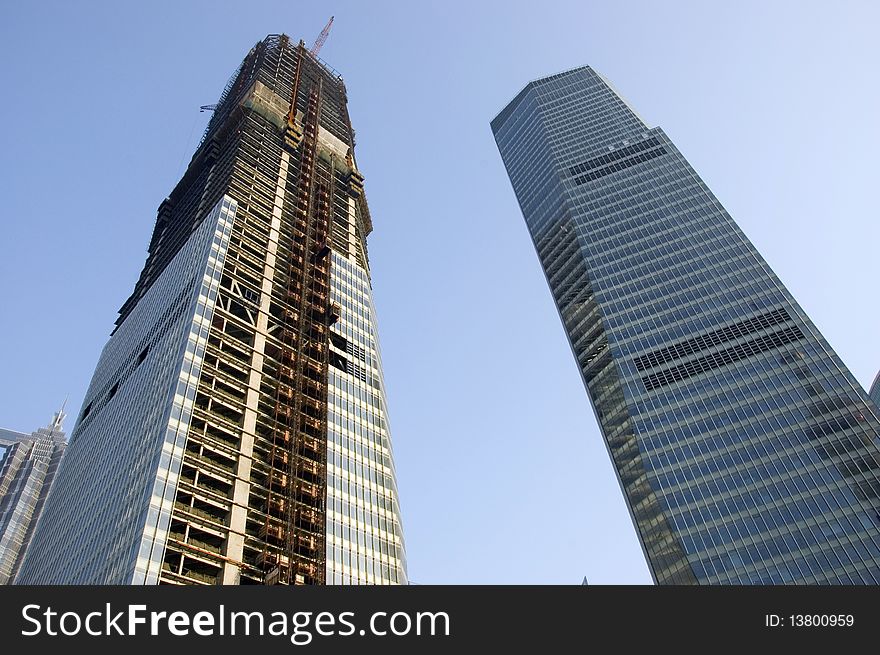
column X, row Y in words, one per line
column 722, row 358
column 714, row 338
column 619, row 166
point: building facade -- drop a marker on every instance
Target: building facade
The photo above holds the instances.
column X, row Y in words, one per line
column 235, row 430
column 747, row 452
column 28, row 466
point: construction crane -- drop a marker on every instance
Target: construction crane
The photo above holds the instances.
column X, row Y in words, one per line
column 207, row 108
column 321, row 38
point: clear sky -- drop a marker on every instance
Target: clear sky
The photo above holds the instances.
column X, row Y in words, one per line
column 502, row 472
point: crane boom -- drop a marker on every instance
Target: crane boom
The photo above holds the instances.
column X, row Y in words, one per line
column 321, row 38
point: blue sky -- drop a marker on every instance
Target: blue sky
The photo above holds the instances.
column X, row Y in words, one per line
column 502, row 472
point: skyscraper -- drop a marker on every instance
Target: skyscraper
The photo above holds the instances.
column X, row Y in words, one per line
column 235, row 430
column 27, row 469
column 746, row 450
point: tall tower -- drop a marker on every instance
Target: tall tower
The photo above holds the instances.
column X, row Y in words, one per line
column 27, row 469
column 235, row 430
column 746, row 450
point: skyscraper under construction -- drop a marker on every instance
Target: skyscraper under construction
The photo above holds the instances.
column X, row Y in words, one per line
column 235, row 430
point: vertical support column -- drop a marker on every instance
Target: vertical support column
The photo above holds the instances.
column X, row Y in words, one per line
column 234, row 549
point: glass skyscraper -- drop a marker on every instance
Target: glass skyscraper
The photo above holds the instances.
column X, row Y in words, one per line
column 746, row 450
column 235, row 430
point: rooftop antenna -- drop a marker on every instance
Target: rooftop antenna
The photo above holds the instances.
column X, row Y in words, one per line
column 59, row 417
column 316, row 48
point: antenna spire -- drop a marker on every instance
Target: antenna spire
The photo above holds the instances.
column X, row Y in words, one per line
column 59, row 416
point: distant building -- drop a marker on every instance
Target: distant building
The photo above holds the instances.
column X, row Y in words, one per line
column 27, row 469
column 875, row 390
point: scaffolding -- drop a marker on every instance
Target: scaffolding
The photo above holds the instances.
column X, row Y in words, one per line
column 257, row 443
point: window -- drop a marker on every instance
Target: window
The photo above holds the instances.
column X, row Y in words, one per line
column 338, row 361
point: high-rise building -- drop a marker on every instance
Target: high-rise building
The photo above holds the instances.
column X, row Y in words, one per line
column 27, row 469
column 235, row 430
column 746, row 450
